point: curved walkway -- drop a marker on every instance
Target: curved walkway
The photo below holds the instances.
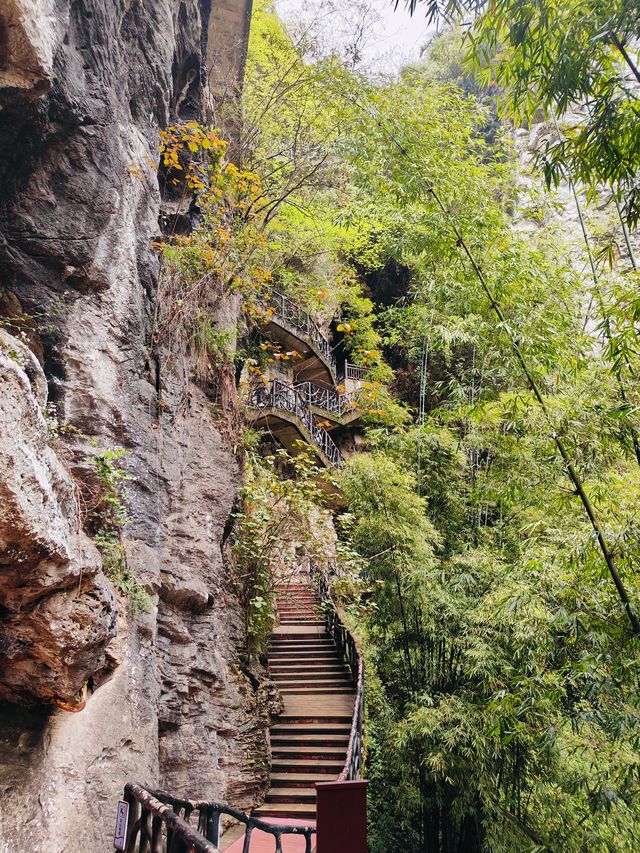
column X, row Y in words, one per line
column 297, row 323
column 283, row 410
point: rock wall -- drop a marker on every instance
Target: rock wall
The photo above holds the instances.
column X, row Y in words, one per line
column 85, row 86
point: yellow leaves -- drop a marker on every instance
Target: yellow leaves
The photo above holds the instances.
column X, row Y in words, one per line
column 345, row 327
column 136, row 170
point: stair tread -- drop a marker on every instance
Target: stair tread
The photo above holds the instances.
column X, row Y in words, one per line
column 302, row 728
column 286, row 809
column 294, row 738
column 338, row 751
column 316, row 675
column 310, row 778
column 304, row 763
column 291, row 792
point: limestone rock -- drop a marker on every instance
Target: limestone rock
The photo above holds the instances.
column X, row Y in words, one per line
column 83, row 95
column 58, row 608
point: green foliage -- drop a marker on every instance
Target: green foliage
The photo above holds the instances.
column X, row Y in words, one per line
column 577, row 59
column 293, row 137
column 281, row 520
column 502, row 682
column 107, row 520
column 223, row 253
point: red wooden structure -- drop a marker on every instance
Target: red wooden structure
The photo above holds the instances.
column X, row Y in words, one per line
column 341, row 822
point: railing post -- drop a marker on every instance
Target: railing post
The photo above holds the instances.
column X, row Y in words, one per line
column 341, row 817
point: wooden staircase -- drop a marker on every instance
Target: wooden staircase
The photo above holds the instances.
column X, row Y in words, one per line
column 309, row 740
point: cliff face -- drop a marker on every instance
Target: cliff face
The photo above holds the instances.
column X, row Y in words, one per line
column 85, row 86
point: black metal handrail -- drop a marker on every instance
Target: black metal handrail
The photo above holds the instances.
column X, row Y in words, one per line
column 278, row 395
column 160, row 823
column 290, row 315
column 348, row 651
column 328, row 399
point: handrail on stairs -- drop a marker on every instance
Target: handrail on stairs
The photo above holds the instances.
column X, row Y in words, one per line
column 328, row 399
column 292, row 316
column 160, row 823
column 348, row 650
column 278, row 395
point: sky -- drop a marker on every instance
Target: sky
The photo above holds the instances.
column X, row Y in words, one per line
column 392, row 37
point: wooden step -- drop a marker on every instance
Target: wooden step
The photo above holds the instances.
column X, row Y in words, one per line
column 292, row 738
column 332, row 690
column 282, row 728
column 286, row 658
column 315, row 685
column 320, row 659
column 283, row 810
column 300, row 780
column 317, row 718
column 291, row 795
column 299, row 635
column 304, row 665
column 308, row 753
column 290, row 765
column 299, row 674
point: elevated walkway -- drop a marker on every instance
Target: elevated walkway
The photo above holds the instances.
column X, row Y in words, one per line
column 282, row 410
column 293, row 327
column 326, row 403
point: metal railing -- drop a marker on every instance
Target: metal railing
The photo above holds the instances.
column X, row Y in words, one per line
column 355, row 371
column 328, row 399
column 348, row 651
column 297, row 320
column 278, row 395
column 160, row 823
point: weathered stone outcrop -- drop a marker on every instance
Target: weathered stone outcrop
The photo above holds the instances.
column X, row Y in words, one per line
column 59, row 609
column 84, row 89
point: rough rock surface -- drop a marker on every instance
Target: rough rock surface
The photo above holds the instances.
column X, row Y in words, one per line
column 59, row 609
column 85, row 86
